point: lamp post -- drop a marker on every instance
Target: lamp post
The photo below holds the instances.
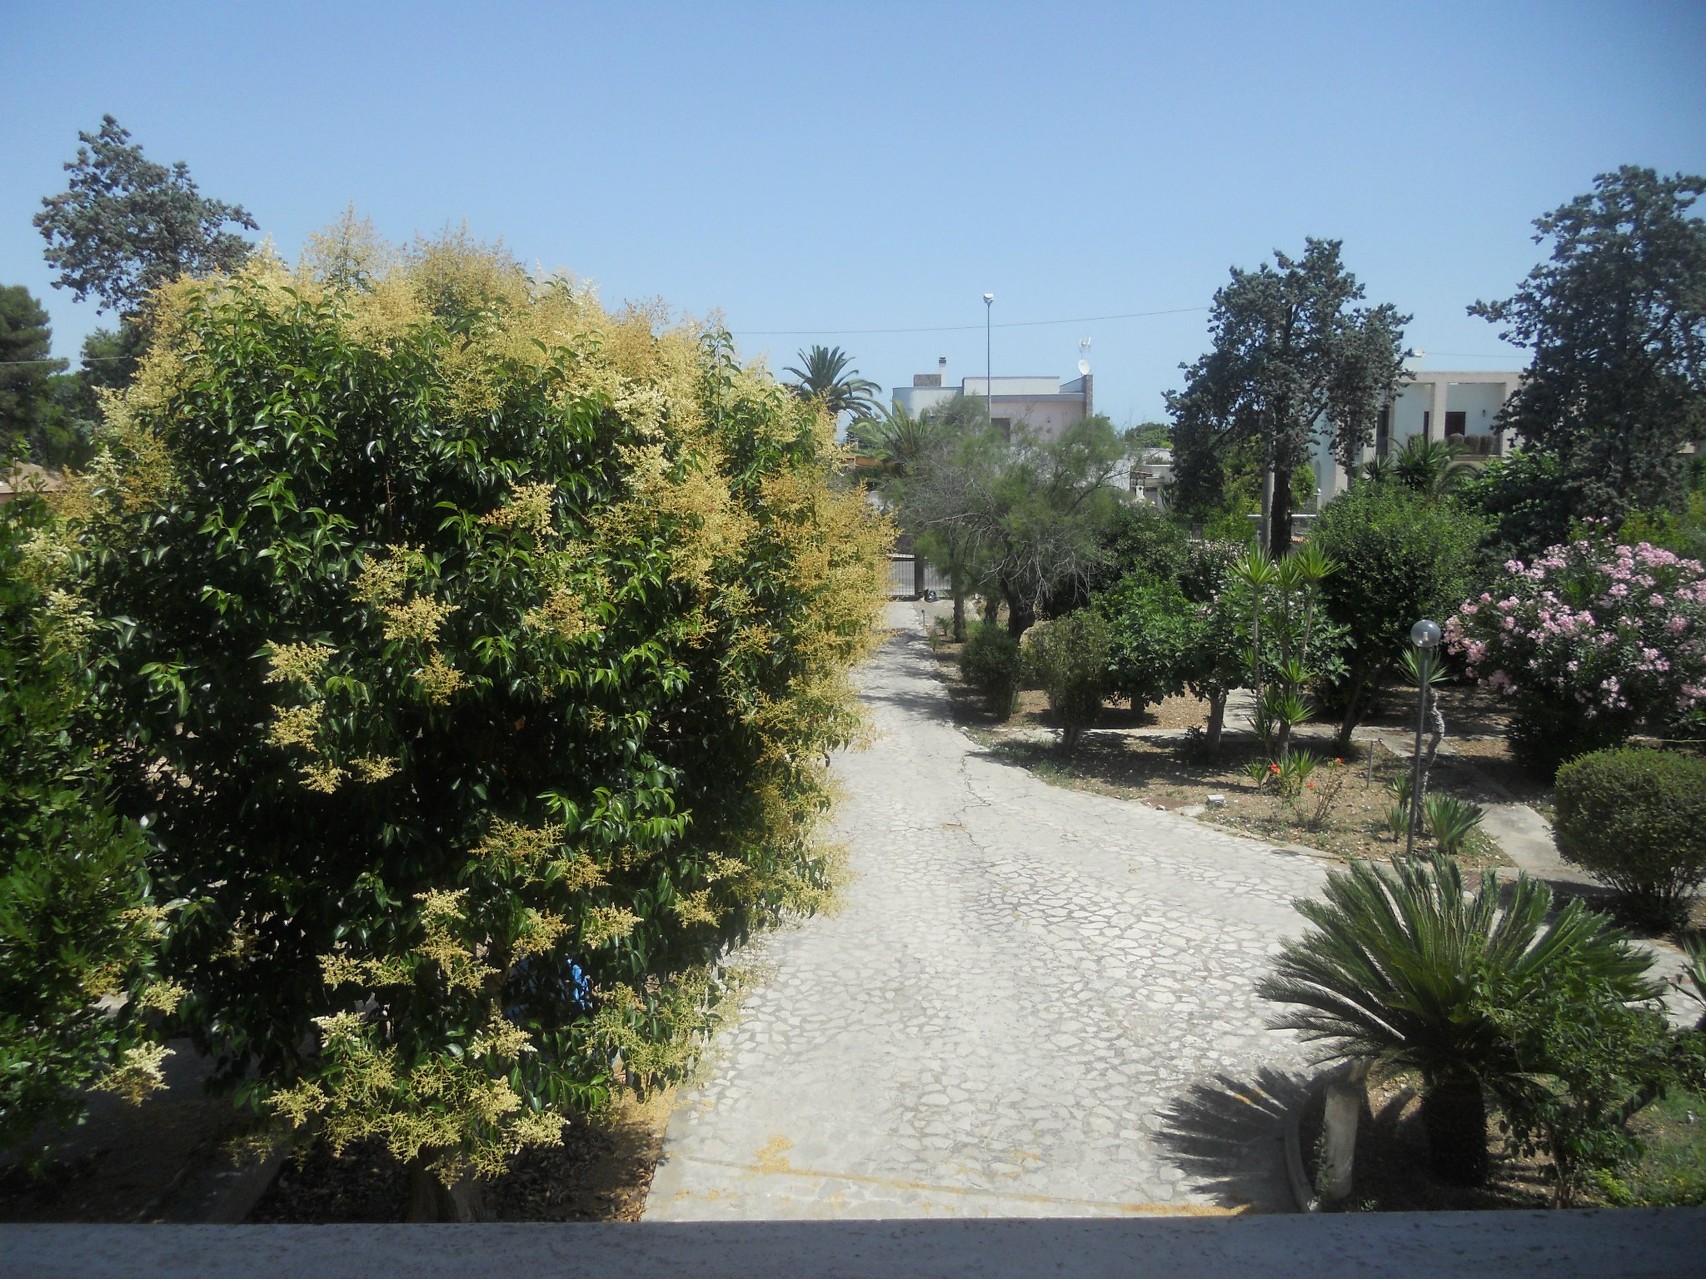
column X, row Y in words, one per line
column 988, row 362
column 1425, row 636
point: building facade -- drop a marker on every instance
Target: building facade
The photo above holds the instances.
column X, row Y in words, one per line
column 1044, row 405
column 1455, row 405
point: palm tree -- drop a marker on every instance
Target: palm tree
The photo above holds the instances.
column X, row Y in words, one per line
column 1428, row 466
column 892, row 438
column 1392, row 972
column 826, row 376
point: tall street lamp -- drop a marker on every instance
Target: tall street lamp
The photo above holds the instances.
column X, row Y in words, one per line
column 1425, row 636
column 988, row 363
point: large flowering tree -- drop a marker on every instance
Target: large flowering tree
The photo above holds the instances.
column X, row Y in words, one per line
column 1593, row 641
column 474, row 654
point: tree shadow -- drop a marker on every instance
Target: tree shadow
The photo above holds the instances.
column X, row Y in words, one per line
column 1228, row 1135
column 917, row 662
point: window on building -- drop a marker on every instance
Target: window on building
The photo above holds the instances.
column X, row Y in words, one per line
column 1004, row 426
column 1456, row 424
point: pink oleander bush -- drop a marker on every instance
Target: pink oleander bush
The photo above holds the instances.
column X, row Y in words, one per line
column 1592, row 642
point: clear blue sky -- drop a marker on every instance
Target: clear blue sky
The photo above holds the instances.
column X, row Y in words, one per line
column 818, row 172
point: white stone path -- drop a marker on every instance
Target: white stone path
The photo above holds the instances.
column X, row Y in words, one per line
column 1032, row 1002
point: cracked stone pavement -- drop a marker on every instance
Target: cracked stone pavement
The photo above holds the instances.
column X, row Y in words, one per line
column 1032, row 1002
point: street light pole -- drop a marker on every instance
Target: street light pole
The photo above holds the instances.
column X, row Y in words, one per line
column 988, row 362
column 1425, row 636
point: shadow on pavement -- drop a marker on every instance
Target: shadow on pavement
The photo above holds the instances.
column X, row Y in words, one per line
column 911, row 652
column 1227, row 1134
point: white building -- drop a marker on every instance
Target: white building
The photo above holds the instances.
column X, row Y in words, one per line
column 1455, row 405
column 1045, row 404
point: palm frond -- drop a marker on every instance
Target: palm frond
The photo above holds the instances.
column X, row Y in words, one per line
column 1391, row 967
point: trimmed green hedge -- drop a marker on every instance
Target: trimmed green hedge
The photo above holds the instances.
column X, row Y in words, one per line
column 990, row 663
column 1636, row 819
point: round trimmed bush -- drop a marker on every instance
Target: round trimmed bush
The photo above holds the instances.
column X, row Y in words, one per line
column 990, row 663
column 1068, row 658
column 1636, row 819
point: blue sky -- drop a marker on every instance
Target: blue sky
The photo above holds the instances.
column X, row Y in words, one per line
column 839, row 172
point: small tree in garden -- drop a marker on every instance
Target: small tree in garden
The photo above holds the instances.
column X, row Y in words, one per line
column 1585, row 1060
column 1290, row 642
column 1153, row 635
column 1399, row 557
column 1068, row 658
column 990, row 663
column 475, row 654
column 1594, row 641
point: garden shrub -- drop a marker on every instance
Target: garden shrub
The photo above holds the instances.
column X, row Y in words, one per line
column 76, row 919
column 1636, row 819
column 1585, row 1059
column 1154, row 634
column 1397, row 967
column 1068, row 658
column 496, row 644
column 1141, row 541
column 1451, row 821
column 1399, row 556
column 1593, row 642
column 1526, row 502
column 991, row 664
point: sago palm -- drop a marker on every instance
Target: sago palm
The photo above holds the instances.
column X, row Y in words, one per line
column 1392, row 968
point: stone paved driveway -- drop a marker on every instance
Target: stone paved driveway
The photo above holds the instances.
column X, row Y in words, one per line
column 1033, row 1002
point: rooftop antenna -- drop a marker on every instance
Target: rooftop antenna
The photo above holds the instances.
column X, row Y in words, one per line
column 1084, row 355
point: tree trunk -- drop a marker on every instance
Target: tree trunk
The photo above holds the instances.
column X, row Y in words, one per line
column 1279, row 516
column 1351, row 718
column 1020, row 614
column 1216, row 720
column 1454, row 1116
column 959, row 616
column 431, row 1200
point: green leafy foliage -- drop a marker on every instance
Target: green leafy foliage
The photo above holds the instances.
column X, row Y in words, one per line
column 1616, row 318
column 1155, row 637
column 1068, row 658
column 1451, row 821
column 26, row 405
column 491, row 647
column 1636, row 818
column 1289, row 642
column 991, row 664
column 1292, row 355
column 127, row 225
column 1399, row 558
column 76, row 918
column 1585, row 1060
column 1394, row 969
column 1141, row 542
column 1526, row 503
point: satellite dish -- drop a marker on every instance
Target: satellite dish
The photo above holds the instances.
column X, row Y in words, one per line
column 1084, row 366
column 1084, row 355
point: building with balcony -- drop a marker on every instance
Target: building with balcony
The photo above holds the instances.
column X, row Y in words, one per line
column 1458, row 406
